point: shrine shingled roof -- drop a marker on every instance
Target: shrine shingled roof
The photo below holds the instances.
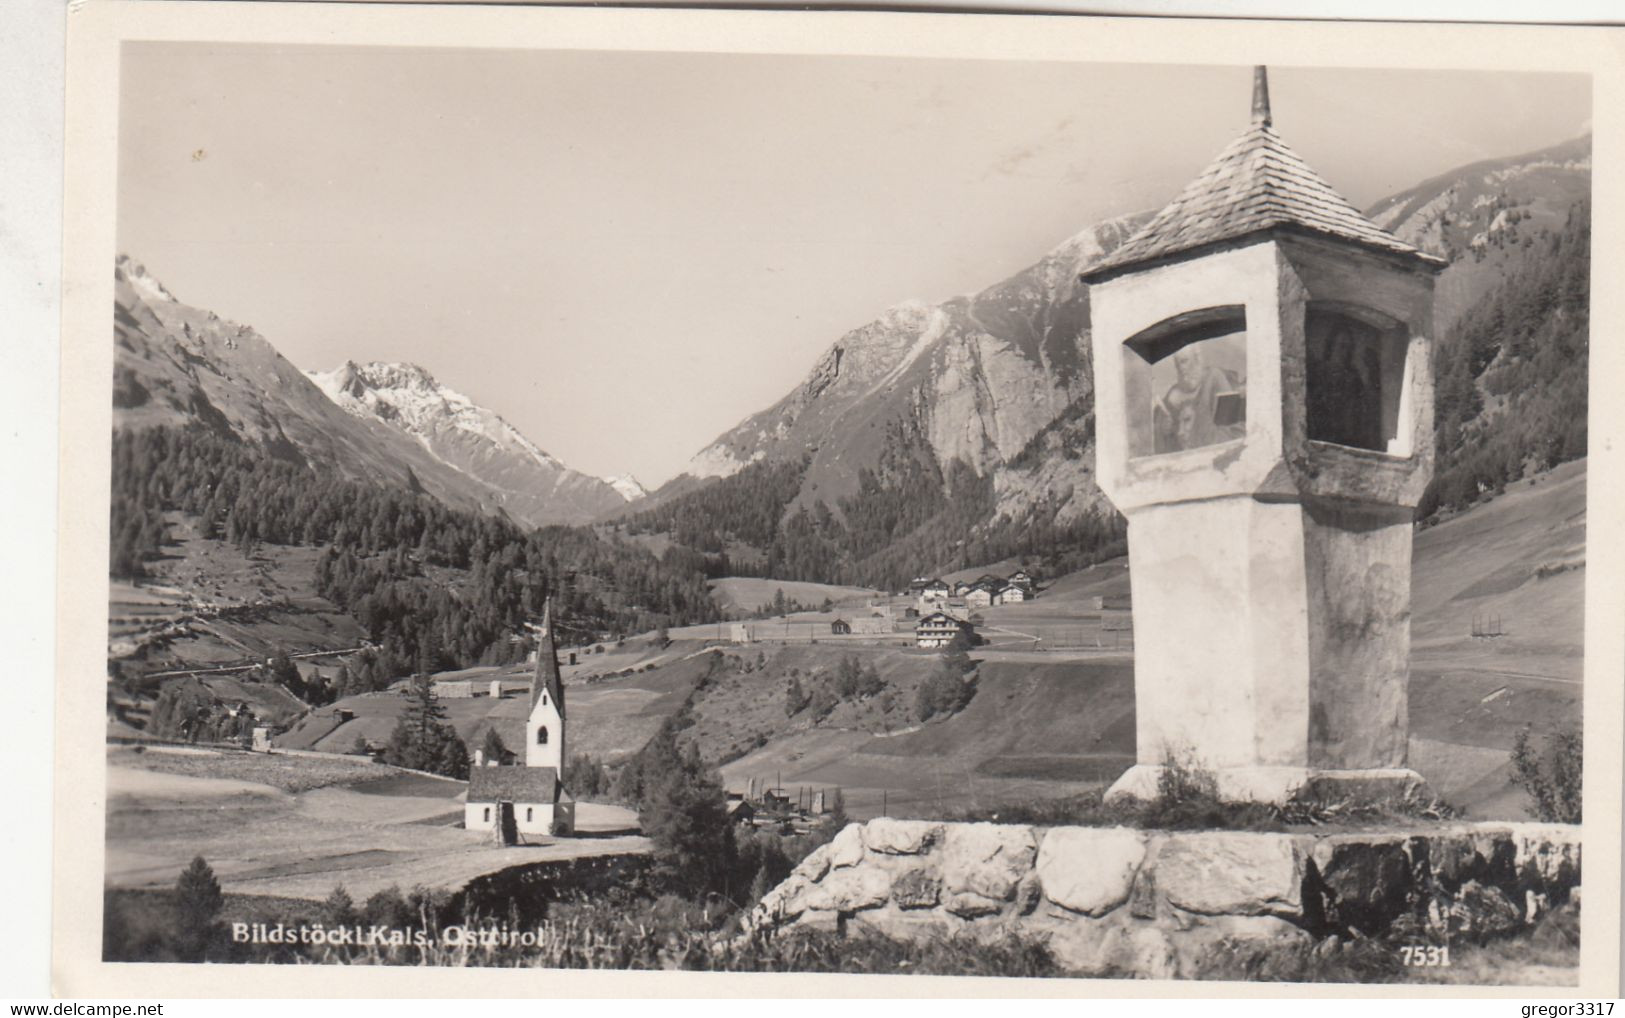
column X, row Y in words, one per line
column 1257, row 183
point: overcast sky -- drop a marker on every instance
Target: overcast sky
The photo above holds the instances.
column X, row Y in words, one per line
column 626, row 253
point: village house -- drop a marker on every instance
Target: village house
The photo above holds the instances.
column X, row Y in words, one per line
column 510, row 801
column 1011, row 594
column 741, row 812
column 980, row 597
column 840, row 627
column 936, row 590
column 776, row 800
column 939, row 629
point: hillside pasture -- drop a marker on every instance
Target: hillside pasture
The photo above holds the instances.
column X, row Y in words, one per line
column 1516, row 562
column 748, row 593
column 610, row 717
column 1046, row 728
column 208, row 605
column 284, row 773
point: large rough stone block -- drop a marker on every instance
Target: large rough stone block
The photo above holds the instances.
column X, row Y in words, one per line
column 1367, row 880
column 1113, row 946
column 850, row 889
column 905, row 926
column 1476, row 911
column 1090, row 870
column 1547, row 855
column 986, row 859
column 822, row 921
column 1455, row 857
column 916, row 889
column 968, row 905
column 1231, row 873
column 1029, row 892
column 1236, row 947
column 901, row 837
column 847, row 847
column 783, row 903
column 815, row 865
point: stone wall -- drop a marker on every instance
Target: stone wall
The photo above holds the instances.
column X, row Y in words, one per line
column 1151, row 903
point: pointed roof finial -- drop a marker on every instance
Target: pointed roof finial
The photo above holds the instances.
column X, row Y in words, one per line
column 1257, row 184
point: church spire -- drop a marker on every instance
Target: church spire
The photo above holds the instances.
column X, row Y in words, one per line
column 1261, row 97
column 547, row 678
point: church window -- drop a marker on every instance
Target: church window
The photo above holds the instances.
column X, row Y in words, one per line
column 541, row 736
column 1186, row 382
column 487, row 815
column 528, row 812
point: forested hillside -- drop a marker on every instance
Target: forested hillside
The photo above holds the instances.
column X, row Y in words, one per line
column 1511, row 374
column 907, row 516
column 434, row 587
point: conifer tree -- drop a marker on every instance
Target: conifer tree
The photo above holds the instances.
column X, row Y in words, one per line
column 492, row 747
column 197, row 905
column 422, row 740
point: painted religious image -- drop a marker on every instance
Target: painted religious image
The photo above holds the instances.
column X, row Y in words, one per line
column 1349, row 389
column 1201, row 394
column 637, row 531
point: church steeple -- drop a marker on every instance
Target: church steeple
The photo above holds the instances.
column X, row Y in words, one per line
column 544, row 739
column 547, row 678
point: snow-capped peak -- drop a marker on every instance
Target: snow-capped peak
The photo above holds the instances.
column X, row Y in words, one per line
column 627, row 486
column 409, row 397
column 141, row 279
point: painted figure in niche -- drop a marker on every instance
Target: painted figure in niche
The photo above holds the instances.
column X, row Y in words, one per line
column 1206, row 404
column 1345, row 385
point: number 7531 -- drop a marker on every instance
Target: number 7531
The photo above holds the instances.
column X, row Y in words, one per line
column 1425, row 955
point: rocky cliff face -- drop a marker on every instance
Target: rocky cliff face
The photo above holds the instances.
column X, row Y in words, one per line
column 1484, row 217
column 973, row 379
column 532, row 486
column 1001, row 379
column 181, row 366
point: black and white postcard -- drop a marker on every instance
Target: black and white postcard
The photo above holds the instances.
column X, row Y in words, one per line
column 864, row 497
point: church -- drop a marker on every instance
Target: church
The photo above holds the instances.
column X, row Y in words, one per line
column 529, row 799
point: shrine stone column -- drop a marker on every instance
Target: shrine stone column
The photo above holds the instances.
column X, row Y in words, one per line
column 1264, row 421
